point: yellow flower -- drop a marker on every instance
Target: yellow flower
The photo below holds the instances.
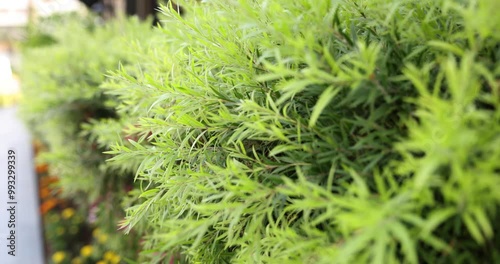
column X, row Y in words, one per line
column 68, row 213
column 102, row 238
column 101, row 262
column 86, row 251
column 96, row 232
column 58, row 257
column 116, row 259
column 111, row 257
column 76, row 260
column 108, row 255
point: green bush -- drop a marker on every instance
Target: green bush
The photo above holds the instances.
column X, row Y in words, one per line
column 317, row 132
column 300, row 131
column 61, row 82
column 65, row 59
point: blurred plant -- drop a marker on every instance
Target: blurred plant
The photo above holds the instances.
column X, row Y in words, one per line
column 61, row 80
column 69, row 237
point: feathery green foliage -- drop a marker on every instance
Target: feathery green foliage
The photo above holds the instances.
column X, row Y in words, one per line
column 318, row 132
column 312, row 132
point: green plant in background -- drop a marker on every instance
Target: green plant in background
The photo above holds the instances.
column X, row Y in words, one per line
column 316, row 132
column 60, row 82
column 71, row 235
column 72, row 240
column 61, row 227
column 86, row 254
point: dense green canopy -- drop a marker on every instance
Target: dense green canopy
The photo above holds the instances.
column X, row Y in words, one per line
column 298, row 131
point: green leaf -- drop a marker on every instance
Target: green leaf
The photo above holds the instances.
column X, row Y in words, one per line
column 325, row 98
column 446, row 47
column 473, row 228
column 407, row 243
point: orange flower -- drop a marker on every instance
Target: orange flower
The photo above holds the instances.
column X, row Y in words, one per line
column 45, row 181
column 48, row 205
column 42, row 168
column 38, row 146
column 44, row 193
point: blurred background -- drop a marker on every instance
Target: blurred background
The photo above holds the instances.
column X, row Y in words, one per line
column 52, row 228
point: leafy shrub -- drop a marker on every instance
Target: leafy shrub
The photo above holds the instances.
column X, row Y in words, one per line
column 61, row 83
column 316, row 132
column 296, row 131
column 64, row 63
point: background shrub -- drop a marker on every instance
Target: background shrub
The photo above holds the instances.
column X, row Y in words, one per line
column 61, row 82
column 65, row 59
